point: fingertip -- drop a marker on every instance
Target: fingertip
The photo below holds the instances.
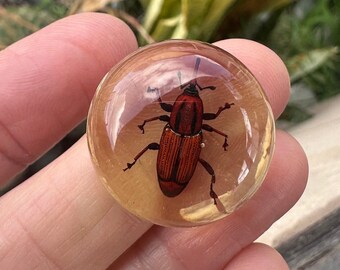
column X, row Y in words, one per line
column 49, row 78
column 105, row 37
column 289, row 163
column 267, row 67
column 69, row 55
column 257, row 256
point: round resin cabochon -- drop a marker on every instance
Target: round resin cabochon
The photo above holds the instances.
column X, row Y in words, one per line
column 132, row 92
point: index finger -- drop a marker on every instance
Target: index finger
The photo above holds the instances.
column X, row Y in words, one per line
column 267, row 68
column 47, row 83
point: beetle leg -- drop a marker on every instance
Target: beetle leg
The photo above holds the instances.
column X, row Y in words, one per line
column 210, row 170
column 211, row 87
column 151, row 146
column 211, row 129
column 165, row 106
column 210, row 116
column 182, row 86
column 164, row 118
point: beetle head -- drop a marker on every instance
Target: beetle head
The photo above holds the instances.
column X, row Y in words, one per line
column 192, row 87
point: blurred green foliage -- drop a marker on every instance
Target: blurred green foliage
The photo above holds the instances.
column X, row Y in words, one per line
column 18, row 21
column 183, row 19
column 307, row 37
column 305, row 33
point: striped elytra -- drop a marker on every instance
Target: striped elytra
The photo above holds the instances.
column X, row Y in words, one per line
column 177, row 159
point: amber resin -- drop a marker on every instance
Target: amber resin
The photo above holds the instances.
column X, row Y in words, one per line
column 129, row 94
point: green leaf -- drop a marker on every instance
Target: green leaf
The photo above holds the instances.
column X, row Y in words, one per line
column 273, row 5
column 152, row 13
column 303, row 64
column 214, row 17
column 145, row 3
column 159, row 10
column 295, row 114
column 166, row 28
column 193, row 19
column 194, row 13
column 181, row 31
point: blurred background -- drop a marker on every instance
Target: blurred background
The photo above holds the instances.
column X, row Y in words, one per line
column 304, row 33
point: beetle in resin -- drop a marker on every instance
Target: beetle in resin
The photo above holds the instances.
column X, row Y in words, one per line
column 182, row 139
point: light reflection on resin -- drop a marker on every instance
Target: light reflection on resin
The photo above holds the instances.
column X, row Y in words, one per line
column 129, row 94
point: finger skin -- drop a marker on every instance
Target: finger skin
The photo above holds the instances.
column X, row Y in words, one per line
column 51, row 220
column 266, row 66
column 48, row 80
column 63, row 216
column 212, row 246
column 257, row 256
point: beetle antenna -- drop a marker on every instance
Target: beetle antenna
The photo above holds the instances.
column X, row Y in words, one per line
column 198, row 61
column 179, row 78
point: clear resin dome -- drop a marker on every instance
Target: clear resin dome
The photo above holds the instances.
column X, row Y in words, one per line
column 181, row 133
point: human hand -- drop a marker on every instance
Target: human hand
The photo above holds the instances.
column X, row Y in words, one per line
column 63, row 217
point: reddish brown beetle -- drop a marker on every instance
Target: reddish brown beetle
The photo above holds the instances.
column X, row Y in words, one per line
column 181, row 142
